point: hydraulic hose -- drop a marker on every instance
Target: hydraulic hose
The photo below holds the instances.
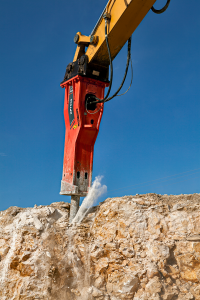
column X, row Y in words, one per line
column 110, row 59
column 126, row 71
column 106, row 99
column 111, row 68
column 160, row 11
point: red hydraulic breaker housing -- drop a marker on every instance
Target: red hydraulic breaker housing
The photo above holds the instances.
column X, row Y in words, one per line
column 82, row 126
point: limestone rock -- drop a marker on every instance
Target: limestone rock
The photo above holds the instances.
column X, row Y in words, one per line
column 143, row 247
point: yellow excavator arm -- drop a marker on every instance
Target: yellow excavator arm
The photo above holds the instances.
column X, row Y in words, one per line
column 125, row 16
column 114, row 28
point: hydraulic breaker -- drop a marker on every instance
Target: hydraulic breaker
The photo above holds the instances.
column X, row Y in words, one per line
column 82, row 120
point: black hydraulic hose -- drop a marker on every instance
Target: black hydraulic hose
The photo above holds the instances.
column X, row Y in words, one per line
column 160, row 11
column 97, row 100
column 131, row 81
column 126, row 71
column 111, row 68
column 123, row 80
column 110, row 59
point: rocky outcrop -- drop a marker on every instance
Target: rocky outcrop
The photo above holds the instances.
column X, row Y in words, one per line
column 135, row 247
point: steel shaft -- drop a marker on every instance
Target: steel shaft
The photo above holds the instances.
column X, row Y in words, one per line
column 75, row 200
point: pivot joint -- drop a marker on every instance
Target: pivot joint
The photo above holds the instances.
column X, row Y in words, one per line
column 83, row 41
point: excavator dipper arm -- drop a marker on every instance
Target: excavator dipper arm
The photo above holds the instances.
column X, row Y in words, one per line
column 125, row 16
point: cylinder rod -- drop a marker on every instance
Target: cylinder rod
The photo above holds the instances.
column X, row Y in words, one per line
column 75, row 200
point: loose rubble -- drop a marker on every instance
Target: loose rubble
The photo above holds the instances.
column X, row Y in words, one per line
column 143, row 247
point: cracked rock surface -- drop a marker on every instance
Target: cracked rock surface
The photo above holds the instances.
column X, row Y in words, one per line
column 143, row 247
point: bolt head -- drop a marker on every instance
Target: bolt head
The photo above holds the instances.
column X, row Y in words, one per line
column 76, row 38
column 93, row 39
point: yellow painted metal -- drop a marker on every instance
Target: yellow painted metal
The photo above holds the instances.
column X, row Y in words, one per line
column 80, row 50
column 126, row 15
column 83, row 41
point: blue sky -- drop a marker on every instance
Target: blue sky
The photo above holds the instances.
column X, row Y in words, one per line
column 146, row 136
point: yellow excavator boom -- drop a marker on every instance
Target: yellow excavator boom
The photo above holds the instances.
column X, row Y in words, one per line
column 125, row 16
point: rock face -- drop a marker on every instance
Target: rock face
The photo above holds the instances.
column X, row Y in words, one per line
column 141, row 247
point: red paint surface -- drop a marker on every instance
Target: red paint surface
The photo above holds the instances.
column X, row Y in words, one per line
column 81, row 136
